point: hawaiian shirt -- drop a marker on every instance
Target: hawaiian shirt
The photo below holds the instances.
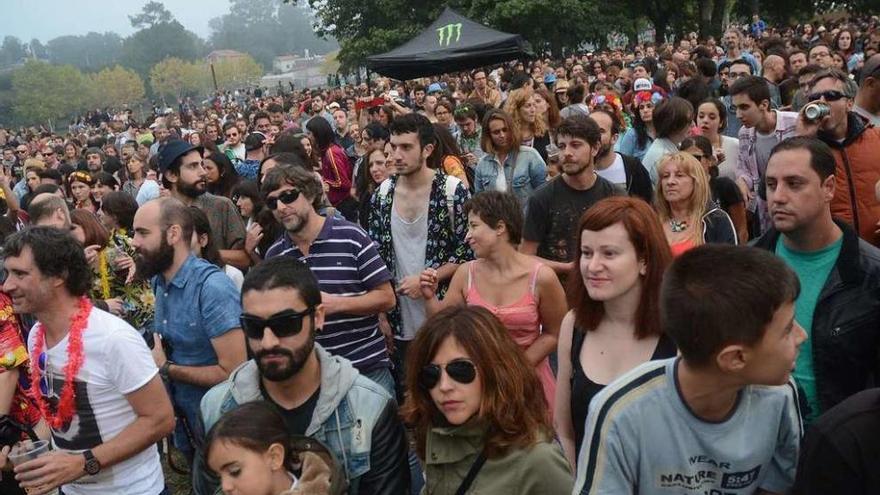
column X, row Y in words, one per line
column 14, row 355
column 445, row 242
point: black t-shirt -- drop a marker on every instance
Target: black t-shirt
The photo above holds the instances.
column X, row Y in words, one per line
column 299, row 418
column 553, row 213
column 725, row 192
column 841, row 452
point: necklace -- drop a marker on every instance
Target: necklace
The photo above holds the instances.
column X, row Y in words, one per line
column 66, row 404
column 677, row 226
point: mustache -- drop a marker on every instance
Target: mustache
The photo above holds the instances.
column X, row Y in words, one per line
column 275, row 351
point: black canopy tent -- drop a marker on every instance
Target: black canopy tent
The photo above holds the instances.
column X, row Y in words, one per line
column 452, row 43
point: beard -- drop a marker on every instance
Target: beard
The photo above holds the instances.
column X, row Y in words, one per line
column 604, row 151
column 294, row 223
column 278, row 372
column 573, row 168
column 193, row 190
column 149, row 264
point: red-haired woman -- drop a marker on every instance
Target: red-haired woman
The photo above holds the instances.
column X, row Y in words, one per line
column 476, row 405
column 614, row 324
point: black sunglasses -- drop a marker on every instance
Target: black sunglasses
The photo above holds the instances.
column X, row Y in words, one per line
column 287, row 197
column 460, row 370
column 287, row 323
column 830, row 95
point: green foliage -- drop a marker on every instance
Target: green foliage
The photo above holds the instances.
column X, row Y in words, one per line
column 153, row 13
column 12, row 51
column 117, row 87
column 236, row 72
column 266, row 29
column 91, row 52
column 145, row 48
column 45, row 92
column 174, row 78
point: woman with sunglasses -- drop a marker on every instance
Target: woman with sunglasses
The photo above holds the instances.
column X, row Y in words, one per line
column 614, row 292
column 79, row 189
column 525, row 295
column 480, row 422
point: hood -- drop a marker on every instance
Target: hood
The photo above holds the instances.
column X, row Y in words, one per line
column 337, row 377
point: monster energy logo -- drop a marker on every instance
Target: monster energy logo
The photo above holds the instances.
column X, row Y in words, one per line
column 445, row 33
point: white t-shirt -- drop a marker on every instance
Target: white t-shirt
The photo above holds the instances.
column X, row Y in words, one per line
column 615, row 173
column 234, row 274
column 116, row 362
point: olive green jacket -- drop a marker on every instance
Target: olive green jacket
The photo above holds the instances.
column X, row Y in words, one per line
column 450, row 452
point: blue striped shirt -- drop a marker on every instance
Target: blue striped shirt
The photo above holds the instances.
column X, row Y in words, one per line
column 346, row 262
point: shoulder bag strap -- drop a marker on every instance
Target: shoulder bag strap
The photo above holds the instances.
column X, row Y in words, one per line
column 472, row 473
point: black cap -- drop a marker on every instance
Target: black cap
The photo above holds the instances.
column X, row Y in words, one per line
column 254, row 141
column 172, row 150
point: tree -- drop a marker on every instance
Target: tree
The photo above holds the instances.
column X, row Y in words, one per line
column 12, row 51
column 266, row 29
column 174, row 77
column 38, row 49
column 91, row 52
column 153, row 13
column 117, row 87
column 145, row 48
column 237, row 72
column 44, row 92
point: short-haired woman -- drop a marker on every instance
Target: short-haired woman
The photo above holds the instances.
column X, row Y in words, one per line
column 673, row 119
column 684, row 203
column 524, row 294
column 614, row 293
column 476, row 407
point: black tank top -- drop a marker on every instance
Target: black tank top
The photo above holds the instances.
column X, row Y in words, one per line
column 583, row 389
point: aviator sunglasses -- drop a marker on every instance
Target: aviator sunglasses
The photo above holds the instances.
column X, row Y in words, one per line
column 830, row 95
column 460, row 370
column 286, row 197
column 286, row 323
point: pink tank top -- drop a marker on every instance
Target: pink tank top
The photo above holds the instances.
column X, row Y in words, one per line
column 682, row 247
column 521, row 318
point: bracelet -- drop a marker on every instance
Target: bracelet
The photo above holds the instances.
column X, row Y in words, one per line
column 163, row 371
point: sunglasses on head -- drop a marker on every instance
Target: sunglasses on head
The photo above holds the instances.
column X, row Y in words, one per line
column 460, row 370
column 286, row 323
column 287, row 197
column 830, row 95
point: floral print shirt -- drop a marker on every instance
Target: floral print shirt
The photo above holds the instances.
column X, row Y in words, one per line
column 445, row 242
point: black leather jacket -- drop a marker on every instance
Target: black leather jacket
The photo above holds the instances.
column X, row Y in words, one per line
column 846, row 322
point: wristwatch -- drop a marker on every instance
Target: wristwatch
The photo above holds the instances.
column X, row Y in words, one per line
column 93, row 465
column 163, row 371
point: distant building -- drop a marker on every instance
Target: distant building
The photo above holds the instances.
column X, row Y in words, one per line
column 221, row 55
column 285, row 63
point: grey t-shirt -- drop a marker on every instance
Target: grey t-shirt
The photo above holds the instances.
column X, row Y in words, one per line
column 641, row 437
column 764, row 144
column 409, row 240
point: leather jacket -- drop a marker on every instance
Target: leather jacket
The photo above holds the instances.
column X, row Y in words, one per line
column 846, row 321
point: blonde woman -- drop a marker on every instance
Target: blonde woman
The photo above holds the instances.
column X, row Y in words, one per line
column 533, row 130
column 684, row 203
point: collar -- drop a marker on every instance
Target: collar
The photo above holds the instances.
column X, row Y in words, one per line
column 183, row 274
column 848, row 261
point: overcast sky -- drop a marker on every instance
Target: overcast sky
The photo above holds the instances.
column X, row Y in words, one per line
column 47, row 19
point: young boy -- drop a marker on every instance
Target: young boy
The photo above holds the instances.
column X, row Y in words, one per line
column 721, row 419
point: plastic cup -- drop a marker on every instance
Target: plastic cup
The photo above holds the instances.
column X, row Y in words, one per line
column 28, row 451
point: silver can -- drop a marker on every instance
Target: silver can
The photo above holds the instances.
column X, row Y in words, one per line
column 816, row 110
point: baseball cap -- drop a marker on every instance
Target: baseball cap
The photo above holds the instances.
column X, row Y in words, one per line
column 561, row 86
column 434, row 88
column 333, row 106
column 254, row 141
column 172, row 150
column 550, row 78
column 642, row 84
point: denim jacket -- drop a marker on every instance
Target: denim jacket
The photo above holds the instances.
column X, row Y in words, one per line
column 348, row 409
column 524, row 170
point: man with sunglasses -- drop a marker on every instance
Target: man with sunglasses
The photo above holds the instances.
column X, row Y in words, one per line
column 318, row 394
column 855, row 144
column 355, row 281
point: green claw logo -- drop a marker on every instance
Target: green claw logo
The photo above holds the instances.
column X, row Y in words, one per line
column 445, row 33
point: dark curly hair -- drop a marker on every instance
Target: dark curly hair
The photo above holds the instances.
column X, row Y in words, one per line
column 56, row 254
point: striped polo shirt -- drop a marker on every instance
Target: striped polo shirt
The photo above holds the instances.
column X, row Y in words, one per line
column 346, row 263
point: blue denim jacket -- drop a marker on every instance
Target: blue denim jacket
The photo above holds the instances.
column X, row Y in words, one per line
column 524, row 170
column 348, row 408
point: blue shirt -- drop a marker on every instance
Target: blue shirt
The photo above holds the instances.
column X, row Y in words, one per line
column 346, row 262
column 199, row 304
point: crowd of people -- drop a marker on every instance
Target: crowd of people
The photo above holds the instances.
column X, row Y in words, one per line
column 527, row 278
